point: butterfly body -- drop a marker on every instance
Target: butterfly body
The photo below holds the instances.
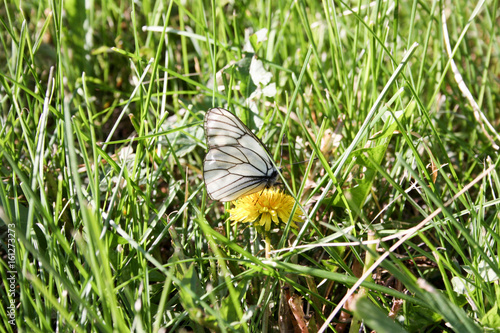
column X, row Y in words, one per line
column 237, row 163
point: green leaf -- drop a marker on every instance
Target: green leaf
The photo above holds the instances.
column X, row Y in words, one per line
column 257, row 38
column 189, row 287
column 419, row 317
column 374, row 317
column 364, row 176
column 454, row 316
column 227, row 309
column 390, row 124
column 492, row 318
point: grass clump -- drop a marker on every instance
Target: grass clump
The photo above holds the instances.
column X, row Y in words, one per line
column 106, row 224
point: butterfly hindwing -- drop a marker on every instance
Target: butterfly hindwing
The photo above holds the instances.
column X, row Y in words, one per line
column 237, row 163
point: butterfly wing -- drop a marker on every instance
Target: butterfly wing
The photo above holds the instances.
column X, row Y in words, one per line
column 237, row 163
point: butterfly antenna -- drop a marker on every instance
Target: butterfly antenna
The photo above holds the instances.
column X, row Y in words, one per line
column 257, row 199
column 303, row 161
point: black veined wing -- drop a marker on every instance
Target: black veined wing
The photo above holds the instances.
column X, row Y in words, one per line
column 237, row 163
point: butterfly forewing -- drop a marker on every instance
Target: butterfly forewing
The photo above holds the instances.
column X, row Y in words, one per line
column 237, row 163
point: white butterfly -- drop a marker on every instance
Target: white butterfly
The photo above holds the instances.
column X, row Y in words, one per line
column 237, row 163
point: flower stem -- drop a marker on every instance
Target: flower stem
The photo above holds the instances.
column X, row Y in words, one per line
column 268, row 246
column 267, row 310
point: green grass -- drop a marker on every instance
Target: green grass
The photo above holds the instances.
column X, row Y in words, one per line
column 106, row 223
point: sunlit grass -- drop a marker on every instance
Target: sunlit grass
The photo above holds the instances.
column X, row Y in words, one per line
column 390, row 107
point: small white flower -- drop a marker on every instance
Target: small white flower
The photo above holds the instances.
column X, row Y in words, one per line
column 261, row 35
column 258, row 73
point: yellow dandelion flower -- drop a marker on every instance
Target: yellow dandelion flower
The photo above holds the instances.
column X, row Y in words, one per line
column 263, row 208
